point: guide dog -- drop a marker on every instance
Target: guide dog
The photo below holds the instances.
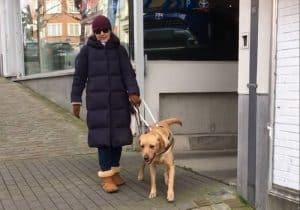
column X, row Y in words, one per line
column 156, row 146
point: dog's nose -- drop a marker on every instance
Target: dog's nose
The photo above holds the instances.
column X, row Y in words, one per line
column 146, row 157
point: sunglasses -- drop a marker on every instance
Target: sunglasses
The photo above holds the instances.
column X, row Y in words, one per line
column 98, row 31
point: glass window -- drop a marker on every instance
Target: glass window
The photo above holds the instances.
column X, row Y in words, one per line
column 53, row 6
column 51, row 40
column 74, row 29
column 118, row 13
column 54, row 29
column 191, row 29
column 71, row 7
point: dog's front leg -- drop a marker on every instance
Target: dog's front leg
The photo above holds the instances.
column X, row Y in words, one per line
column 166, row 175
column 152, row 168
column 170, row 193
column 141, row 172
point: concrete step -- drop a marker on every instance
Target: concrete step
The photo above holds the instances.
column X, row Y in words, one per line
column 206, row 142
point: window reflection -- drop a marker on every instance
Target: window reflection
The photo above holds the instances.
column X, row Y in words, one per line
column 54, row 30
column 117, row 12
column 51, row 34
column 191, row 29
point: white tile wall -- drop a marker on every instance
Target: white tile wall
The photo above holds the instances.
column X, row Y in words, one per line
column 286, row 144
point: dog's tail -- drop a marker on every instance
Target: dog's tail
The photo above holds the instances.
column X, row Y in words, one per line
column 171, row 121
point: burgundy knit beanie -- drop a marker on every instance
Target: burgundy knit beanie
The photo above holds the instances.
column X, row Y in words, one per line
column 101, row 22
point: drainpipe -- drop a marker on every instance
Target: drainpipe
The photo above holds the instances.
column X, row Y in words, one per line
column 252, row 85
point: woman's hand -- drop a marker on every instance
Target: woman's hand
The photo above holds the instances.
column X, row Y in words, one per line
column 76, row 110
column 135, row 99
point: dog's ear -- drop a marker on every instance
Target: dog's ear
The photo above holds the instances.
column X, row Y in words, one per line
column 161, row 143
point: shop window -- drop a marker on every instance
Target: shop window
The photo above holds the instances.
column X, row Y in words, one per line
column 191, row 29
column 117, row 12
column 50, row 44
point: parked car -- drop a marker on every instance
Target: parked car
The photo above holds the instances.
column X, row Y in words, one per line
column 174, row 34
column 194, row 29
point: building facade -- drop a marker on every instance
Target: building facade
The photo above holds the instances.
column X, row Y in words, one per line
column 285, row 167
column 268, row 133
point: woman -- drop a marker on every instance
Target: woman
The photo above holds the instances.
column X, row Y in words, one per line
column 103, row 66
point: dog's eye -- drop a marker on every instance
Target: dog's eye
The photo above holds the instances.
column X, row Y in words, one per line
column 152, row 146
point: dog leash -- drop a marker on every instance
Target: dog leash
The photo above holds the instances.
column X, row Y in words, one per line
column 139, row 117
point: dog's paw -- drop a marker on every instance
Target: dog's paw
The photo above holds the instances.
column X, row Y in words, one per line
column 170, row 196
column 152, row 194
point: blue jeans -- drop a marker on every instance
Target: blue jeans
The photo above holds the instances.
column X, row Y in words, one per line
column 109, row 157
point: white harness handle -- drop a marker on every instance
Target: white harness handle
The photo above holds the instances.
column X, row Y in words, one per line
column 140, row 115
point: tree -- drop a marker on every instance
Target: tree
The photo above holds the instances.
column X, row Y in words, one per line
column 27, row 20
column 81, row 8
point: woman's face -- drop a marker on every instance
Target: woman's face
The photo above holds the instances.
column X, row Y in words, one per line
column 102, row 35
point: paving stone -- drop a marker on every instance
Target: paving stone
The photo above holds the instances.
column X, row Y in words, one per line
column 234, row 203
column 204, row 208
column 202, row 201
column 242, row 208
column 186, row 205
column 22, row 204
column 8, row 204
column 220, row 206
column 34, row 127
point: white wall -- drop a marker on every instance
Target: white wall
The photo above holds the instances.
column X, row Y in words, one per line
column 244, row 52
column 264, row 46
column 3, row 35
column 188, row 77
column 286, row 144
column 11, row 37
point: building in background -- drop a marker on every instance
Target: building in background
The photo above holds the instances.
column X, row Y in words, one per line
column 268, row 120
column 51, row 37
column 285, row 108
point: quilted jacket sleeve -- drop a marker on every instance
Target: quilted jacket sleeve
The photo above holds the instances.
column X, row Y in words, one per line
column 80, row 75
column 129, row 76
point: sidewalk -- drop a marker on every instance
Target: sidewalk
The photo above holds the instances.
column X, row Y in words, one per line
column 45, row 164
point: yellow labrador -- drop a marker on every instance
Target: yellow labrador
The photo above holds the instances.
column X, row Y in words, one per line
column 156, row 148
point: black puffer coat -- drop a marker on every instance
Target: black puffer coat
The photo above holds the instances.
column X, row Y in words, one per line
column 107, row 73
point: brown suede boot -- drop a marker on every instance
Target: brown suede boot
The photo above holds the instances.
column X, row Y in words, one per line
column 117, row 179
column 108, row 184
